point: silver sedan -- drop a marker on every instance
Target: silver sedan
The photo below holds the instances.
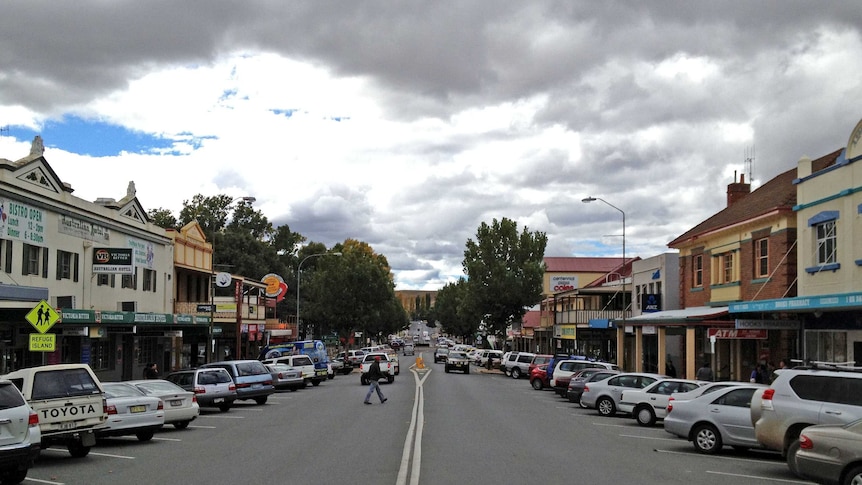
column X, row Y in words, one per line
column 711, row 421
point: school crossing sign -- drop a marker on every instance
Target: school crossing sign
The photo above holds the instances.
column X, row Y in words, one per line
column 42, row 317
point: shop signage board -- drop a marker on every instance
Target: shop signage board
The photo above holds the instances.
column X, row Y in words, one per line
column 737, row 333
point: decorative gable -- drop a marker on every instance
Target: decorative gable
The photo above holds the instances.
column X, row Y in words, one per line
column 134, row 211
column 39, row 176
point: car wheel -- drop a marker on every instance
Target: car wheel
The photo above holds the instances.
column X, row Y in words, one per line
column 516, row 373
column 537, row 384
column 390, row 379
column 261, row 400
column 182, row 424
column 467, row 370
column 507, row 372
column 854, row 476
column 364, row 381
column 645, row 416
column 315, row 382
column 707, row 439
column 332, row 376
column 791, row 457
column 573, row 400
column 13, row 477
column 78, row 450
column 605, row 406
column 145, row 435
column 224, row 408
column 446, row 369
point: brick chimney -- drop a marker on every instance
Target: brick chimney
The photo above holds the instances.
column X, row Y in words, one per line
column 737, row 190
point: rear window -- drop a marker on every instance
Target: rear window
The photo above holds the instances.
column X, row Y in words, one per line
column 9, row 396
column 541, row 359
column 302, row 361
column 63, row 383
column 121, row 390
column 251, row 368
column 210, row 377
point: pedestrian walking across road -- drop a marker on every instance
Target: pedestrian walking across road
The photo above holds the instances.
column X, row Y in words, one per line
column 374, row 374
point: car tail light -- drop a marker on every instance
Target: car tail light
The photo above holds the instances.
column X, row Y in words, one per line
column 243, row 385
column 33, row 420
column 194, row 398
column 200, row 390
column 231, row 387
column 669, row 405
column 805, row 442
column 766, row 399
column 280, row 375
column 161, row 405
column 586, row 389
column 267, row 383
column 111, row 409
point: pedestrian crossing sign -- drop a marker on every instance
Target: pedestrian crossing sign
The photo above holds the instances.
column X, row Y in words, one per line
column 42, row 317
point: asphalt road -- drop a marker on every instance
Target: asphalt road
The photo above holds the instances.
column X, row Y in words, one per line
column 435, row 428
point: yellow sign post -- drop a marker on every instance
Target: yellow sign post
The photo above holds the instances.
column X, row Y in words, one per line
column 43, row 342
column 42, row 317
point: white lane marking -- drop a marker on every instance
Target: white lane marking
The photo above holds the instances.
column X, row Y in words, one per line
column 648, row 437
column 721, row 457
column 202, row 427
column 414, row 432
column 165, row 439
column 112, row 456
column 28, row 479
column 757, row 477
column 219, row 416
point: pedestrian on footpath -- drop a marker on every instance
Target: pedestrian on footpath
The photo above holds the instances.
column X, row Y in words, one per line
column 374, row 375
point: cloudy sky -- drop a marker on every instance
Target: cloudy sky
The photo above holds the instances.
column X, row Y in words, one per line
column 407, row 124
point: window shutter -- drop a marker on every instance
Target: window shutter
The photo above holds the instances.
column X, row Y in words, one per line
column 25, row 265
column 59, row 265
column 44, row 252
column 75, row 267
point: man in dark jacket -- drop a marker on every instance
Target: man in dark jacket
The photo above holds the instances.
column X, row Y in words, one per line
column 374, row 374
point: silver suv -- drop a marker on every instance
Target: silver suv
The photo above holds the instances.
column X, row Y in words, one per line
column 803, row 397
column 517, row 364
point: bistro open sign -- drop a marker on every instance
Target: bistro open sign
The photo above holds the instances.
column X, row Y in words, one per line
column 113, row 260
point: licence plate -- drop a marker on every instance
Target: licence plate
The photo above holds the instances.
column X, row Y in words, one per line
column 218, row 400
column 177, row 402
column 256, row 386
column 137, row 409
column 66, row 425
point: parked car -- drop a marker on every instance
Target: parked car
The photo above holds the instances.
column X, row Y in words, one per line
column 181, row 406
column 131, row 412
column 579, row 380
column 19, row 434
column 604, row 396
column 716, row 419
column 212, row 387
column 565, row 368
column 339, row 365
column 539, row 359
column 539, row 377
column 799, row 398
column 440, row 354
column 51, row 390
column 285, row 377
column 650, row 403
column 706, row 388
column 518, row 364
column 831, row 453
column 354, row 357
column 252, row 379
column 457, row 360
column 495, row 355
column 301, row 362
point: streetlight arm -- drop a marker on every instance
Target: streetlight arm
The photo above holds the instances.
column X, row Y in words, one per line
column 592, row 199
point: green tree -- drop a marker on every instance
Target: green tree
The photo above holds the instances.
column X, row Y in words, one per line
column 354, row 292
column 504, row 272
column 454, row 311
column 163, row 218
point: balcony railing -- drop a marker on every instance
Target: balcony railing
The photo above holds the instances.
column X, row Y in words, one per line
column 574, row 317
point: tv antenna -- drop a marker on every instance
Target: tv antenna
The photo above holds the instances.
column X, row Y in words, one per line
column 749, row 162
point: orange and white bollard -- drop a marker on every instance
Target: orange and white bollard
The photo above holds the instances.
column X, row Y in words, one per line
column 420, row 364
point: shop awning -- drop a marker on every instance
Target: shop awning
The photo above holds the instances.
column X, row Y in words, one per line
column 693, row 314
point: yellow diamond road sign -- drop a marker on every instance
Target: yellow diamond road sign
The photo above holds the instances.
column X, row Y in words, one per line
column 42, row 317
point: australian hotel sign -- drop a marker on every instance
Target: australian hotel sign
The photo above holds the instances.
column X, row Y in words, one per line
column 113, row 260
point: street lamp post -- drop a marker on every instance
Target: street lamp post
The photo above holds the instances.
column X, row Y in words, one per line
column 299, row 273
column 622, row 275
column 210, row 347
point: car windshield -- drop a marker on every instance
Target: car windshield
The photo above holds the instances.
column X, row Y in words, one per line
column 443, row 351
column 457, row 355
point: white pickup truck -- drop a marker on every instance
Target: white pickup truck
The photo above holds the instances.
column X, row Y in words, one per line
column 387, row 367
